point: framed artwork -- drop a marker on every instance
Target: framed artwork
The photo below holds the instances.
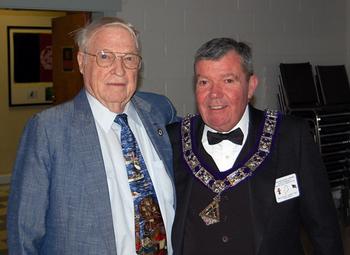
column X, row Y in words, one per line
column 29, row 65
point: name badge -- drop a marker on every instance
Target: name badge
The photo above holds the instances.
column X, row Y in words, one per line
column 286, row 188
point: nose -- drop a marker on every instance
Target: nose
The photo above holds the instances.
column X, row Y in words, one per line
column 215, row 90
column 118, row 67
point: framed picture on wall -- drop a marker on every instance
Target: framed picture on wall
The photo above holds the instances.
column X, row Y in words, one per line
column 29, row 65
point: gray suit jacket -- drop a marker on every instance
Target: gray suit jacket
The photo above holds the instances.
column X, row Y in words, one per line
column 59, row 201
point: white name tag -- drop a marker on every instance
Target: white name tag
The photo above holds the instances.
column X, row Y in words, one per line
column 286, row 188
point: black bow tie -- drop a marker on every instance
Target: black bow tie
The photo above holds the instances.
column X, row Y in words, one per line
column 235, row 136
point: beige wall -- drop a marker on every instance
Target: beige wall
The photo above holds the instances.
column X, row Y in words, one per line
column 279, row 31
column 13, row 119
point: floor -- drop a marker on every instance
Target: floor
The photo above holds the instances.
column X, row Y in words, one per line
column 3, row 238
column 346, row 240
column 3, row 202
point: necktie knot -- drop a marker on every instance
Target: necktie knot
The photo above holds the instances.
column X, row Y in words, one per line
column 122, row 120
column 235, row 136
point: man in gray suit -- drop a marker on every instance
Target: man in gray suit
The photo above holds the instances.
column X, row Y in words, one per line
column 70, row 189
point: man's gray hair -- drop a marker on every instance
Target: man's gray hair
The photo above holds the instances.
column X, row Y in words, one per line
column 218, row 47
column 84, row 34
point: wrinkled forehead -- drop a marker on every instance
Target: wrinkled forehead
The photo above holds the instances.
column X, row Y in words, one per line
column 118, row 27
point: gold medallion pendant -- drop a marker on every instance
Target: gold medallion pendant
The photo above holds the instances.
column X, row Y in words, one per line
column 211, row 213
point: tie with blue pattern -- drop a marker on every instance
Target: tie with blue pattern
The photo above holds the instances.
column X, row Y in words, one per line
column 149, row 226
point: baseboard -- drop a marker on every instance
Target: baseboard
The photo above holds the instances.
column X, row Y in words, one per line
column 5, row 179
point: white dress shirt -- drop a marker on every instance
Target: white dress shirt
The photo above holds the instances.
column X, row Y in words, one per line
column 119, row 191
column 226, row 152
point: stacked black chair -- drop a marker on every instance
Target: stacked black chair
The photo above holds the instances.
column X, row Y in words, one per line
column 297, row 92
column 325, row 103
column 334, row 85
column 297, row 87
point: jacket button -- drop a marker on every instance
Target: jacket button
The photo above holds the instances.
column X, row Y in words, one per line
column 225, row 239
column 160, row 131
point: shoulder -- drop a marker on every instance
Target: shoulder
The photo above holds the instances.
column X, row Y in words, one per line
column 56, row 113
column 293, row 122
column 190, row 122
column 173, row 128
column 289, row 127
column 294, row 130
column 62, row 115
column 155, row 105
column 285, row 121
column 152, row 98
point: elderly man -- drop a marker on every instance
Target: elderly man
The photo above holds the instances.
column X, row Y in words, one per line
column 94, row 175
column 246, row 180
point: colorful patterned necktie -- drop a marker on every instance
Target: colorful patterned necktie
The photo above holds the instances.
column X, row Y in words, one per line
column 149, row 226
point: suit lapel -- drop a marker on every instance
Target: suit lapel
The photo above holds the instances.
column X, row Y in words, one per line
column 184, row 183
column 156, row 131
column 262, row 182
column 93, row 175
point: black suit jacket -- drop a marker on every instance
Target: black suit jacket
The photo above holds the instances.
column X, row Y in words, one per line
column 277, row 226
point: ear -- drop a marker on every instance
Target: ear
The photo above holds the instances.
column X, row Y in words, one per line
column 81, row 59
column 253, row 83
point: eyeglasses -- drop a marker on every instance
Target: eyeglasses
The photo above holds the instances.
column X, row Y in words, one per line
column 107, row 58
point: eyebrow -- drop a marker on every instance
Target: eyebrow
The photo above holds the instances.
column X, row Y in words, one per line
column 235, row 76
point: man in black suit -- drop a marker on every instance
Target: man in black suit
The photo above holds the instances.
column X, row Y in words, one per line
column 247, row 181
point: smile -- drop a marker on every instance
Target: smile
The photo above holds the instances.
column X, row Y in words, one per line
column 116, row 83
column 217, row 107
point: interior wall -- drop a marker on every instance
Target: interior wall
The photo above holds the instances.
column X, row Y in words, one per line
column 67, row 5
column 278, row 31
column 14, row 118
column 171, row 31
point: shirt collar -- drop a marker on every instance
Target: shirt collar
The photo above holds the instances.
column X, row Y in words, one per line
column 243, row 124
column 105, row 118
